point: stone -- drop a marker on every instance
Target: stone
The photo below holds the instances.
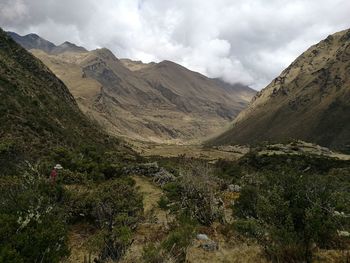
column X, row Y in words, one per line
column 202, row 237
column 234, row 188
column 163, row 177
column 210, row 246
column 343, row 234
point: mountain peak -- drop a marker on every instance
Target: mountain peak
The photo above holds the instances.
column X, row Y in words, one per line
column 68, row 47
column 32, row 41
column 67, row 43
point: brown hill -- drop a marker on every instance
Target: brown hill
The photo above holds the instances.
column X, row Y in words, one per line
column 310, row 100
column 162, row 102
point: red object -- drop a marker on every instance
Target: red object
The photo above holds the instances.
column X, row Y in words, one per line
column 53, row 175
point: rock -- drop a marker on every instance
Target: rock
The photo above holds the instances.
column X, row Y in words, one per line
column 163, row 177
column 146, row 169
column 202, row 237
column 206, row 243
column 210, row 246
column 343, row 234
column 234, row 188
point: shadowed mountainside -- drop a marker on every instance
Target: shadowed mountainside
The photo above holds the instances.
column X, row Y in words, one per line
column 310, row 100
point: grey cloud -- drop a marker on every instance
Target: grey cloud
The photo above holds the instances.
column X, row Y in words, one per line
column 247, row 41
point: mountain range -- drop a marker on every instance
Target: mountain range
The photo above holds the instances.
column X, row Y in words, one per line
column 159, row 102
column 33, row 41
column 310, row 101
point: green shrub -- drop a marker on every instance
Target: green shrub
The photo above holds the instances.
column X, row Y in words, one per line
column 116, row 207
column 230, row 171
column 180, row 237
column 152, row 254
column 289, row 213
column 246, row 205
column 68, row 177
column 33, row 221
column 163, row 203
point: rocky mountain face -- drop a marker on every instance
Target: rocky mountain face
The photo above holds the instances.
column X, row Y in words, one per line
column 159, row 102
column 37, row 111
column 33, row 41
column 310, row 100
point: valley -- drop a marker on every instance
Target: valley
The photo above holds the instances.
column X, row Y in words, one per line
column 155, row 102
column 104, row 159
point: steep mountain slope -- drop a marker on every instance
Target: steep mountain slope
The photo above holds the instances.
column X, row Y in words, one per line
column 310, row 100
column 155, row 102
column 37, row 111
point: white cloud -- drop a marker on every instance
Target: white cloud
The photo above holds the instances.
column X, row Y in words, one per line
column 247, row 41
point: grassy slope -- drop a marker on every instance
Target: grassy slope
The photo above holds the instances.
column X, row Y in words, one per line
column 308, row 101
column 37, row 112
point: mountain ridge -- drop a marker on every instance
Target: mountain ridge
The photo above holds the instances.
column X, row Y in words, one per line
column 159, row 102
column 303, row 102
column 34, row 41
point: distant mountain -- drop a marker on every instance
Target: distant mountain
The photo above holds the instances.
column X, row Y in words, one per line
column 33, row 41
column 161, row 102
column 37, row 111
column 310, row 100
column 67, row 47
column 135, row 65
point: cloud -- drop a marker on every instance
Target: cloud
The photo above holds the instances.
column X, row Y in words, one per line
column 248, row 41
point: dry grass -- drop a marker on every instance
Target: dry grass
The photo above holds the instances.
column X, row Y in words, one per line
column 155, row 225
column 77, row 242
column 174, row 150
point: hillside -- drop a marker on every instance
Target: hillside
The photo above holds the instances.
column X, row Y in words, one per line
column 158, row 102
column 37, row 111
column 303, row 102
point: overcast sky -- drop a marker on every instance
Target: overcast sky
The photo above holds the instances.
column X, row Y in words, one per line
column 248, row 41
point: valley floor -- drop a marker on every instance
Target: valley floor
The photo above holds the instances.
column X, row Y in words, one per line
column 190, row 151
column 155, row 227
column 156, row 223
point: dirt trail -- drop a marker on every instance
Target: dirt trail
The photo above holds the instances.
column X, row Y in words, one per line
column 155, row 224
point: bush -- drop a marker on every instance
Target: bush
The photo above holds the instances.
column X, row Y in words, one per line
column 163, row 203
column 230, row 171
column 180, row 237
column 246, row 205
column 290, row 213
column 32, row 220
column 116, row 209
column 152, row 254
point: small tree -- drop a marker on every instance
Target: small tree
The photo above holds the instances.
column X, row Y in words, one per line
column 292, row 214
column 199, row 193
column 117, row 208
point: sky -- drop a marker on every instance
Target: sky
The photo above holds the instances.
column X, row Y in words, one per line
column 246, row 41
